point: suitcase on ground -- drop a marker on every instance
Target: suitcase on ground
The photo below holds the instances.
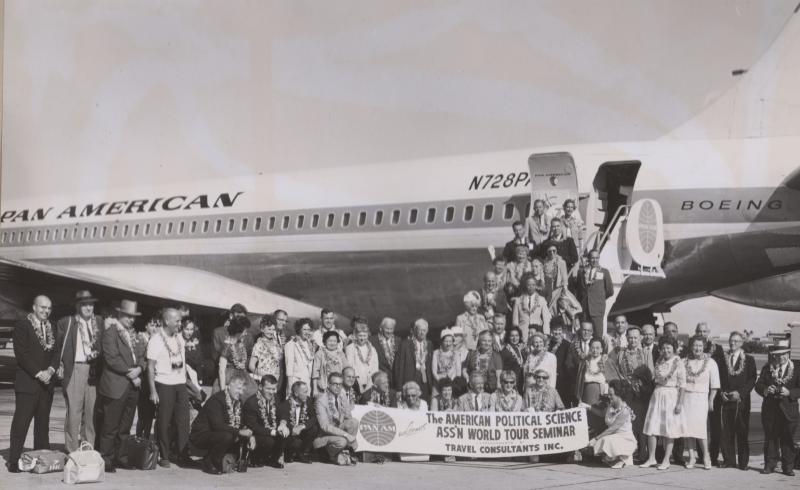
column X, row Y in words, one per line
column 139, row 453
column 42, row 461
column 84, row 466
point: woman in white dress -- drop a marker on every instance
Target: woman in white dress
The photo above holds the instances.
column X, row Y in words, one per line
column 663, row 415
column 702, row 383
column 472, row 321
column 299, row 355
column 362, row 356
column 540, row 358
column 617, row 443
column 446, row 362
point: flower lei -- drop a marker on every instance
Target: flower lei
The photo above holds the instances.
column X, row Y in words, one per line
column 514, row 350
column 691, row 376
column 388, row 346
column 555, row 345
column 46, row 339
column 305, row 350
column 351, row 394
column 600, row 365
column 539, row 358
column 786, row 377
column 360, row 357
column 234, row 411
column 731, row 370
column 614, row 412
column 507, row 402
column 446, row 361
column 541, row 400
column 480, row 363
column 90, row 345
column 332, row 407
column 379, row 397
column 662, row 379
column 192, row 344
column 176, row 355
column 238, row 354
column 302, row 418
column 629, row 365
column 333, row 361
column 420, row 354
column 266, row 414
column 576, row 347
column 445, row 404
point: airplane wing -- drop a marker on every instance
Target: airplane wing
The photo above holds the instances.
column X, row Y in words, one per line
column 150, row 284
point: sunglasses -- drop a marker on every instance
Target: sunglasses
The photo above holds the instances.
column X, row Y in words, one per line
column 509, row 382
column 541, row 377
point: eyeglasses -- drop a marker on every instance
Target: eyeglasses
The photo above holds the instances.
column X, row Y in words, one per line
column 541, row 377
column 509, row 382
column 336, row 384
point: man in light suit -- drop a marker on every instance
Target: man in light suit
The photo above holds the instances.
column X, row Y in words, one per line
column 78, row 345
column 34, row 347
column 337, row 426
column 125, row 361
column 594, row 288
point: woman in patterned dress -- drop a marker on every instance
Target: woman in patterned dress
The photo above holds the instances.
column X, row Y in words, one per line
column 329, row 359
column 513, row 355
column 299, row 355
column 234, row 357
column 267, row 355
column 362, row 356
column 445, row 363
column 486, row 361
column 472, row 321
column 540, row 358
column 664, row 413
column 507, row 398
column 573, row 224
column 594, row 373
column 539, row 395
column 444, row 401
column 616, row 444
column 702, row 383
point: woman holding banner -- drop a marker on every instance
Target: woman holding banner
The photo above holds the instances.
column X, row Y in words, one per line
column 617, row 443
column 664, row 413
column 444, row 401
column 539, row 395
column 507, row 398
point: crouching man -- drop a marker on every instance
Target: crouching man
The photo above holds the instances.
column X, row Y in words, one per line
column 337, row 427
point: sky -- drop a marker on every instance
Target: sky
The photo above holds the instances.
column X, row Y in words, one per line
column 130, row 92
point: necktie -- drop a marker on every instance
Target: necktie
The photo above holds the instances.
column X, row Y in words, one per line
column 477, row 400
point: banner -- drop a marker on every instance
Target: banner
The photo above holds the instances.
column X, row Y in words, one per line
column 470, row 434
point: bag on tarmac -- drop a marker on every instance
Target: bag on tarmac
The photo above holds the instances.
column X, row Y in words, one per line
column 139, row 453
column 84, row 466
column 42, row 461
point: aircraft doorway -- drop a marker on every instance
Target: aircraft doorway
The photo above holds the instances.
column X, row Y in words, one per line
column 613, row 187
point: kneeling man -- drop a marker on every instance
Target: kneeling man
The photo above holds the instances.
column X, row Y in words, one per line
column 261, row 417
column 337, row 427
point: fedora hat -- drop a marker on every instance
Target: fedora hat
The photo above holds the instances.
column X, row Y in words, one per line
column 84, row 296
column 128, row 307
column 777, row 350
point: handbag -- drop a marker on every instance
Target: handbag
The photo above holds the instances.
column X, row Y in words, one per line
column 139, row 453
column 42, row 461
column 84, row 466
column 60, row 371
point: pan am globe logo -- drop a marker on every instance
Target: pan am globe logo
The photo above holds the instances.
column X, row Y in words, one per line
column 647, row 227
column 377, row 428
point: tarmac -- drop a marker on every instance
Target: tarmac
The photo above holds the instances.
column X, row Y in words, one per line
column 483, row 474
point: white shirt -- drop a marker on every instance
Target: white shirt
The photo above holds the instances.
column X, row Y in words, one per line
column 157, row 351
column 80, row 350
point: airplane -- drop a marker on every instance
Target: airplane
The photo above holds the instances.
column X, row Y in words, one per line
column 711, row 208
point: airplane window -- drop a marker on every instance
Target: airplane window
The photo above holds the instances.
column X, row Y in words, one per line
column 38, row 235
column 449, row 214
column 158, row 228
column 412, row 215
column 124, row 230
column 345, row 220
column 13, row 236
column 527, row 209
column 46, row 235
column 146, row 229
column 85, row 233
column 244, row 224
column 5, row 235
column 362, row 218
column 30, row 235
column 231, row 225
column 114, row 231
column 508, row 211
column 181, row 227
column 103, row 231
column 206, row 226
column 271, row 225
column 469, row 211
column 378, row 218
column 258, row 224
column 300, row 221
column 194, row 227
column 329, row 221
column 488, row 211
column 395, row 216
column 218, row 226
column 136, row 230
column 285, row 223
column 94, row 232
column 431, row 215
column 315, row 221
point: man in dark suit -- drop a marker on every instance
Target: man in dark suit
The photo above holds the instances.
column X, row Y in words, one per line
column 565, row 246
column 649, row 342
column 594, row 288
column 492, row 295
column 78, row 343
column 577, row 352
column 520, row 238
column 214, row 430
column 386, row 344
column 714, row 417
column 779, row 384
column 301, row 419
column 559, row 347
column 380, row 393
column 124, row 362
column 737, row 378
column 260, row 415
column 34, row 347
column 414, row 359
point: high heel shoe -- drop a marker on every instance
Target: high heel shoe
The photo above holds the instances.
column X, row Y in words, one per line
column 648, row 464
column 689, row 465
column 663, row 466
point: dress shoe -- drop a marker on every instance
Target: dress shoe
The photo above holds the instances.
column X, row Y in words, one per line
column 288, row 458
column 767, row 471
column 788, row 472
column 164, row 463
column 13, row 467
column 724, row 465
column 277, row 463
column 743, row 468
column 304, row 458
column 111, row 469
column 209, row 467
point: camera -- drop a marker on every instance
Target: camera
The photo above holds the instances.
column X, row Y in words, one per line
column 177, row 364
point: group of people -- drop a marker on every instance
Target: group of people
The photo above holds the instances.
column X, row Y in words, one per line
column 530, row 339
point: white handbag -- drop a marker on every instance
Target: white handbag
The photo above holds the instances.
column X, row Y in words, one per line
column 84, row 466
